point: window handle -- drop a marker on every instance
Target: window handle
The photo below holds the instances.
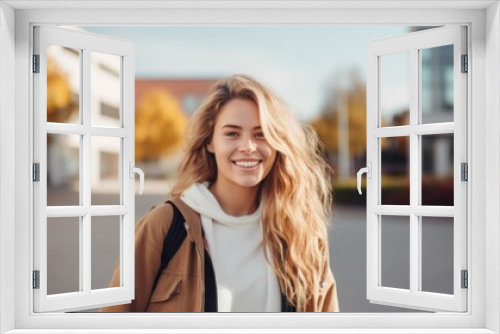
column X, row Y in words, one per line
column 368, row 171
column 138, row 171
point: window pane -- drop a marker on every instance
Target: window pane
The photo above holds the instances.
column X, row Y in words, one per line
column 395, row 244
column 63, row 255
column 63, row 84
column 395, row 89
column 395, row 170
column 63, row 169
column 437, row 170
column 437, row 254
column 105, row 170
column 437, row 84
column 105, row 89
column 105, row 249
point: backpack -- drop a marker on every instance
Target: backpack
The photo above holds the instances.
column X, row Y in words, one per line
column 171, row 244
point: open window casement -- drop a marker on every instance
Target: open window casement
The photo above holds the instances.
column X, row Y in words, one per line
column 82, row 136
column 429, row 133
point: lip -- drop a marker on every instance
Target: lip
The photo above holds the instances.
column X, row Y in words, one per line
column 247, row 159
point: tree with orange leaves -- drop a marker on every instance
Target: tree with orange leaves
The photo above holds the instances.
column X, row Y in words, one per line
column 160, row 126
column 327, row 124
column 60, row 102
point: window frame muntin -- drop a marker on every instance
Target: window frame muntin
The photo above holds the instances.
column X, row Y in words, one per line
column 23, row 17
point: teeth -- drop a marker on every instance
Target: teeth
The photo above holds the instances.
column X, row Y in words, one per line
column 247, row 163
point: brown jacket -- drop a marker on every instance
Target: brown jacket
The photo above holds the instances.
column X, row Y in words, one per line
column 181, row 287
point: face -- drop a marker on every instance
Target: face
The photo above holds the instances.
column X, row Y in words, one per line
column 243, row 156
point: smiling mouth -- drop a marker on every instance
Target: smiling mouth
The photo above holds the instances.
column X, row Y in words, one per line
column 247, row 165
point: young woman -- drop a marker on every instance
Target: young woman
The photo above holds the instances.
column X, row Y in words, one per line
column 255, row 194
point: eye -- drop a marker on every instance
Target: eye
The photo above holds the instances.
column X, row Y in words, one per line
column 231, row 134
column 259, row 135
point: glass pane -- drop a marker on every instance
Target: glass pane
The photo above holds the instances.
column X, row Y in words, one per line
column 395, row 171
column 63, row 169
column 105, row 89
column 437, row 170
column 63, row 255
column 437, row 254
column 105, row 170
column 63, row 84
column 437, row 84
column 395, row 244
column 395, row 89
column 105, row 249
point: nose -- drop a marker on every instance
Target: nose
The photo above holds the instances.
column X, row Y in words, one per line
column 248, row 145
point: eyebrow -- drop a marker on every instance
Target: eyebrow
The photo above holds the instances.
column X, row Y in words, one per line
column 239, row 127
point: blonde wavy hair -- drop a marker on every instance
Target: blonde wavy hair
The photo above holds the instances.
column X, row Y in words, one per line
column 296, row 194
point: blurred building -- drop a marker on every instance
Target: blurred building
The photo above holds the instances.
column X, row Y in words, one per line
column 437, row 105
column 64, row 150
column 190, row 92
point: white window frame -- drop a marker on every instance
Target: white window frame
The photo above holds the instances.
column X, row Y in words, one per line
column 16, row 213
column 412, row 44
column 123, row 50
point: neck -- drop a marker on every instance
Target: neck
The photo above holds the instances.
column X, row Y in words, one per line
column 235, row 200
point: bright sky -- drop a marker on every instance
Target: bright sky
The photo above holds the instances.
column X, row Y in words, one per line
column 298, row 62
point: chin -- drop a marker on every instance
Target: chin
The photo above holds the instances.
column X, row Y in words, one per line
column 248, row 184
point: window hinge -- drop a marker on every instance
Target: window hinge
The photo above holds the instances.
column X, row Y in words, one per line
column 465, row 64
column 464, row 171
column 465, row 279
column 36, row 63
column 36, row 279
column 36, row 172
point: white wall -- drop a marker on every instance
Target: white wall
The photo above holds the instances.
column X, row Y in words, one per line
column 492, row 161
column 7, row 160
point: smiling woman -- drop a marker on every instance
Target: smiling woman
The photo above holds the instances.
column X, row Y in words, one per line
column 241, row 189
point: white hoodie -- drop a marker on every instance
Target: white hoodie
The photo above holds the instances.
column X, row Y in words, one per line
column 245, row 281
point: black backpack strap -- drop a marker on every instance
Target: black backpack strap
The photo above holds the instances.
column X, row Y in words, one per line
column 210, row 284
column 286, row 306
column 172, row 242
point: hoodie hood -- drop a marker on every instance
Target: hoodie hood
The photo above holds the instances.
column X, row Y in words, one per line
column 201, row 200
